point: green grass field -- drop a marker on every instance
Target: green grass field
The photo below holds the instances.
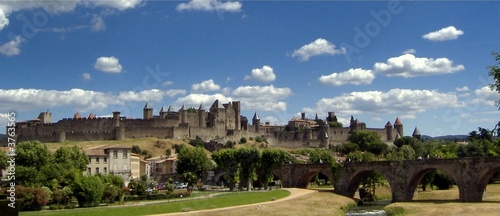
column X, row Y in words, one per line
column 220, row 201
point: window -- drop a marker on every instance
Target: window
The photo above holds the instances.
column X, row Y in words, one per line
column 90, row 160
column 105, row 170
column 89, row 170
column 97, row 170
column 115, row 154
column 125, row 152
column 96, row 160
column 105, row 161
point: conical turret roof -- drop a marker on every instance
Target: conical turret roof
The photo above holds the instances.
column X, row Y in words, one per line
column 389, row 124
column 163, row 109
column 170, row 109
column 397, row 122
column 147, row 106
column 416, row 132
column 217, row 104
column 255, row 116
column 201, row 107
column 77, row 115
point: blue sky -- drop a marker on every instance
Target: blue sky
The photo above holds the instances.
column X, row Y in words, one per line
column 424, row 62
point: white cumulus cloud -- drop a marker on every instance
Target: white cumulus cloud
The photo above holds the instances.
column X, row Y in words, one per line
column 462, row 89
column 444, row 34
column 86, row 76
column 108, row 64
column 210, row 5
column 264, row 74
column 79, row 99
column 97, row 24
column 265, row 98
column 406, row 102
column 58, row 7
column 11, row 48
column 356, row 76
column 318, row 47
column 4, row 20
column 408, row 65
column 119, row 4
column 410, row 51
column 205, row 86
column 195, row 99
column 485, row 96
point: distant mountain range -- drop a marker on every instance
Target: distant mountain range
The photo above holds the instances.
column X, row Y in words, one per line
column 446, row 137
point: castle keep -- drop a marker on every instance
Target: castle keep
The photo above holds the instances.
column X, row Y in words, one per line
column 220, row 122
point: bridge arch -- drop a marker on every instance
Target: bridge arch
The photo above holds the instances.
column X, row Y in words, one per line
column 306, row 178
column 356, row 180
column 418, row 175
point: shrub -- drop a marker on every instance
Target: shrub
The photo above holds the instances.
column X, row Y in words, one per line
column 243, row 140
column 197, row 142
column 230, row 144
column 260, row 139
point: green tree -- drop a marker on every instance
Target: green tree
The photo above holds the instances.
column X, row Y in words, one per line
column 179, row 147
column 227, row 160
column 364, row 138
column 62, row 196
column 138, row 187
column 428, row 179
column 71, row 157
column 3, row 160
column 481, row 134
column 415, row 144
column 270, row 159
column 88, row 190
column 405, row 152
column 494, row 72
column 317, row 156
column 249, row 160
column 197, row 142
column 193, row 160
column 442, row 181
column 168, row 152
column 136, row 149
column 347, row 148
column 360, row 157
column 377, row 147
column 191, row 179
column 33, row 154
column 335, row 124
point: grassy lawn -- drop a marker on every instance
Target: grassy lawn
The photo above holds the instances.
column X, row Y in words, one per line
column 220, row 201
column 314, row 204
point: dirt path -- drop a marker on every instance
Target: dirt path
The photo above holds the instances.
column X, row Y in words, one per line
column 294, row 193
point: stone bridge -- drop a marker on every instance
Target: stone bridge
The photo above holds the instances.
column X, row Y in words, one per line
column 471, row 175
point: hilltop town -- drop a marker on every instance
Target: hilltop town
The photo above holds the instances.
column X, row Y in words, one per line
column 221, row 122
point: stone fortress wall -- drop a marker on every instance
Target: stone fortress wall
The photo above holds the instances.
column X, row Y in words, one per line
column 221, row 122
